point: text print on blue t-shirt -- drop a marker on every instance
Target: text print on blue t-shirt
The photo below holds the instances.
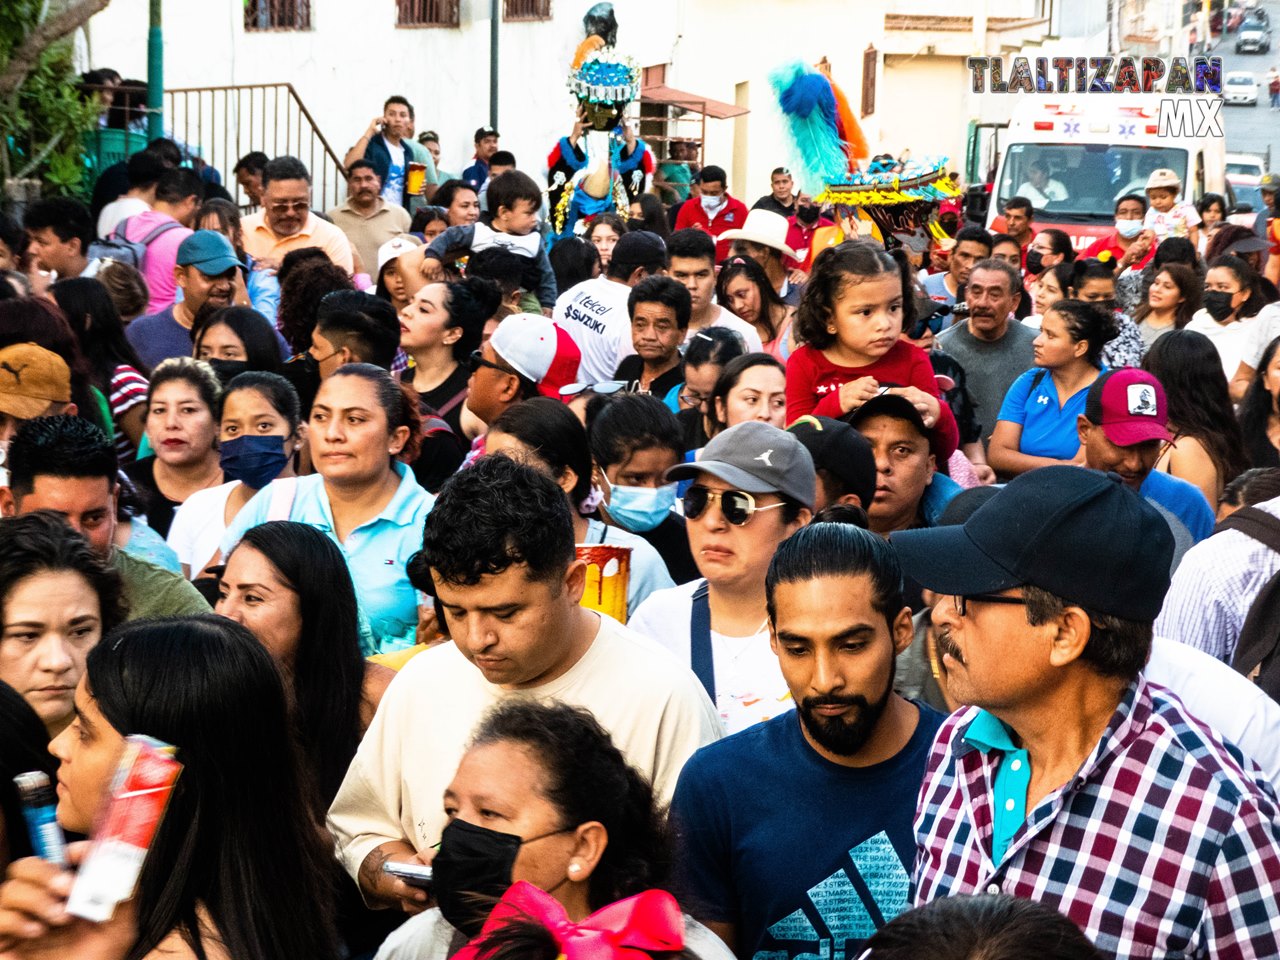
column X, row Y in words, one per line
column 865, row 892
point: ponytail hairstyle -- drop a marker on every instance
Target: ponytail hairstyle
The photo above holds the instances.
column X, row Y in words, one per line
column 833, row 269
column 1082, row 271
column 1086, row 322
column 397, row 400
column 471, row 303
column 586, row 778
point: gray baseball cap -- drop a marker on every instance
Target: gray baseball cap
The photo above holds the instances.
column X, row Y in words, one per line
column 758, row 458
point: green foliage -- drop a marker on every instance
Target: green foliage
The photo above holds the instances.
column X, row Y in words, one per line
column 44, row 123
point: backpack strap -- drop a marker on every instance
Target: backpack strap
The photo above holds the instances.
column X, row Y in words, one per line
column 1037, row 379
column 452, row 402
column 700, row 656
column 283, row 492
column 1255, row 523
column 162, row 228
column 121, row 227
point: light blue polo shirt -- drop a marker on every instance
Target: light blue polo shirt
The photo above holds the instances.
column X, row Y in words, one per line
column 376, row 552
column 1048, row 430
column 1012, row 780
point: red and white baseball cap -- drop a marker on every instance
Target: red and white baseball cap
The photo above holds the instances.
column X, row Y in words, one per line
column 1129, row 404
column 538, row 350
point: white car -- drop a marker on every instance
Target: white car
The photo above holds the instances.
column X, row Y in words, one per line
column 1241, row 87
column 1245, row 165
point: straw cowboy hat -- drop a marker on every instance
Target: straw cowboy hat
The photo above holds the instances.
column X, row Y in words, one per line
column 766, row 228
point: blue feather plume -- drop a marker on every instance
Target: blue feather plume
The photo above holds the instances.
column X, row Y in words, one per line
column 809, row 106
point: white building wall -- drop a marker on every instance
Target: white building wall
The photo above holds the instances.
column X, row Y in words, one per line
column 354, row 56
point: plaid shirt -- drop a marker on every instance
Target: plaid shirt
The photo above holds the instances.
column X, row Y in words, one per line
column 1166, row 843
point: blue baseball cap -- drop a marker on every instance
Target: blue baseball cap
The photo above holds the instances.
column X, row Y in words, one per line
column 209, row 252
column 1080, row 534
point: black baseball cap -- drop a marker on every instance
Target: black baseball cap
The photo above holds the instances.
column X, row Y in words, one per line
column 639, row 248
column 1080, row 534
column 837, row 447
column 899, row 407
column 482, row 132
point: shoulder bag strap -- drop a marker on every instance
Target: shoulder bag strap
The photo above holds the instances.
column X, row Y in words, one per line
column 700, row 641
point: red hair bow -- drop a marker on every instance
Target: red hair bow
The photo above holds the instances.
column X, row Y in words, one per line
column 631, row 929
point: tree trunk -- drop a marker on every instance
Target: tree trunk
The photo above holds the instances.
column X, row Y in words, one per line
column 27, row 54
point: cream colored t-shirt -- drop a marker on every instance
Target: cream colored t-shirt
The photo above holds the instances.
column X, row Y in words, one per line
column 652, row 705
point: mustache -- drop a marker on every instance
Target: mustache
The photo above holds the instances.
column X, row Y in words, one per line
column 831, row 700
column 945, row 645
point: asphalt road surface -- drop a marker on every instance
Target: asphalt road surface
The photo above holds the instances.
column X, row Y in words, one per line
column 1253, row 129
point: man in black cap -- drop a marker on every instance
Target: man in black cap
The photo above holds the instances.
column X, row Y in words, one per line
column 910, row 491
column 486, row 140
column 594, row 312
column 1072, row 780
column 842, row 457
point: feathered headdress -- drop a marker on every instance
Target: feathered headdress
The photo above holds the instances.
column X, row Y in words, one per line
column 824, row 133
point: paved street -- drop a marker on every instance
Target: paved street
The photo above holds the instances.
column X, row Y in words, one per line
column 1252, row 129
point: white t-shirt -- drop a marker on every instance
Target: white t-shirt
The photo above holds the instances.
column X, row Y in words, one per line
column 594, row 314
column 749, row 684
column 198, row 528
column 1174, row 222
column 648, row 571
column 654, row 707
column 428, row 936
column 1264, row 328
column 393, row 188
column 1224, row 699
column 1230, row 341
column 749, row 334
column 118, row 210
column 1053, row 190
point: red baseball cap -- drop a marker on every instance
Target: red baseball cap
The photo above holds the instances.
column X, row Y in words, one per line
column 1129, row 405
column 538, row 350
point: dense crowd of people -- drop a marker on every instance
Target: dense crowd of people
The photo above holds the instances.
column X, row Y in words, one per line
column 950, row 581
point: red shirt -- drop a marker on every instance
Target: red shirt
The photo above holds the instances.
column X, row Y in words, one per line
column 1111, row 244
column 730, row 216
column 814, row 382
column 800, row 239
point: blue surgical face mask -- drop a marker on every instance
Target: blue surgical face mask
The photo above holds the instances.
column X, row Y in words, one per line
column 254, row 461
column 640, row 509
column 1128, row 228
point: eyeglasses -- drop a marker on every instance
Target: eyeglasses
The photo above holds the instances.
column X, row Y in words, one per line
column 737, row 506
column 477, row 360
column 963, row 601
column 691, row 398
column 300, row 206
column 603, row 388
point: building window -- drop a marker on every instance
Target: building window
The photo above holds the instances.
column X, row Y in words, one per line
column 427, row 13
column 869, row 81
column 526, row 9
column 277, row 14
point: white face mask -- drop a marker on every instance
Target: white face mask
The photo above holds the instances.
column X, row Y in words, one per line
column 1128, row 228
column 712, row 204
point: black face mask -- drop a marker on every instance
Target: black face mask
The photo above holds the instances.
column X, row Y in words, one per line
column 807, row 214
column 472, row 870
column 227, row 370
column 1035, row 262
column 1218, row 304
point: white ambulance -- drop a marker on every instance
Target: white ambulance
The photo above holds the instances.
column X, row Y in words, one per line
column 1074, row 155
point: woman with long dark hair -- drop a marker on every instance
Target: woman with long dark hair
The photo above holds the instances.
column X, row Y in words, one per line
column 743, row 289
column 114, row 365
column 1260, row 411
column 648, row 213
column 1208, row 447
column 237, row 868
column 24, row 747
column 1231, row 300
column 1172, row 300
column 234, row 340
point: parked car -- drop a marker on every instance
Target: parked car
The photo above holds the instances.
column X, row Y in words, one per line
column 1245, row 165
column 1234, row 18
column 1257, row 15
column 1241, row 87
column 1253, row 38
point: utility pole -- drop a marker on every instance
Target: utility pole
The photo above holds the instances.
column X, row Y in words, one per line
column 155, row 74
column 495, row 20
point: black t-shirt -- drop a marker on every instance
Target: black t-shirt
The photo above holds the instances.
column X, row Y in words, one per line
column 770, row 202
column 695, row 437
column 159, row 508
column 671, row 540
column 632, row 368
column 451, row 393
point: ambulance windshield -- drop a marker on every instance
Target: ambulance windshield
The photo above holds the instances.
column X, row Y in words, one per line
column 1078, row 183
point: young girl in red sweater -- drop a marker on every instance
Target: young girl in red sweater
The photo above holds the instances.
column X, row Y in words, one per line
column 850, row 320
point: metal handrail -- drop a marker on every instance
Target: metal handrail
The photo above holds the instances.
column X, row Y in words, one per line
column 244, row 114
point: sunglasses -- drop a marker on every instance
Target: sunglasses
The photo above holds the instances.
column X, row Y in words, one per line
column 477, row 361
column 604, row 388
column 737, row 506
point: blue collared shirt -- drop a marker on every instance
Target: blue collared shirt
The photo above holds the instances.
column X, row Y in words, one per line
column 1012, row 779
column 376, row 552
